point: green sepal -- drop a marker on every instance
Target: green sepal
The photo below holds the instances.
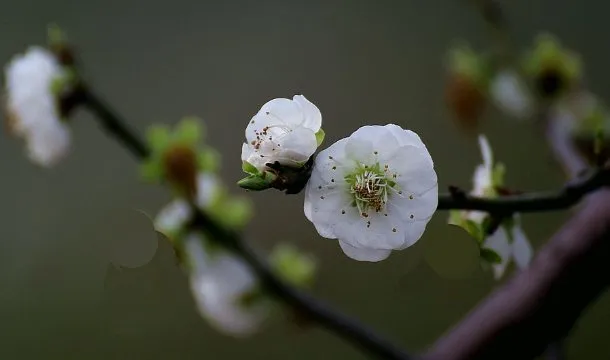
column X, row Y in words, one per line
column 293, row 266
column 208, row 159
column 188, row 131
column 249, row 168
column 158, row 137
column 490, row 256
column 320, row 135
column 254, row 183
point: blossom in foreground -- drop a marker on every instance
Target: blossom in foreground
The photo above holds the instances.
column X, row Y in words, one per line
column 283, row 130
column 374, row 191
column 225, row 291
column 511, row 94
column 32, row 105
column 212, row 198
column 508, row 241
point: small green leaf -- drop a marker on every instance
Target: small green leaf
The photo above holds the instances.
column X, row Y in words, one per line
column 235, row 212
column 158, row 137
column 490, row 256
column 208, row 160
column 254, row 183
column 188, row 130
column 55, row 35
column 151, row 171
column 320, row 135
column 293, row 266
column 497, row 175
column 475, row 230
column 249, row 168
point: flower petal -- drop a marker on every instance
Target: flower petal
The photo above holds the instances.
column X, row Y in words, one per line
column 498, row 242
column 521, row 248
column 282, row 111
column 414, row 170
column 311, row 113
column 363, row 254
column 486, row 151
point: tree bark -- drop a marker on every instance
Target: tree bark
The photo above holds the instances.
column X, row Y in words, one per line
column 540, row 304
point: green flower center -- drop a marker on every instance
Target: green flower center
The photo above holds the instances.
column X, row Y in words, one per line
column 370, row 187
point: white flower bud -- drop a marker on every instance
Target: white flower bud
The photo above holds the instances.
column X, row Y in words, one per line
column 283, row 130
column 32, row 105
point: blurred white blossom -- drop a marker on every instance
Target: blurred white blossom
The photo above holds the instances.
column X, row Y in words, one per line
column 374, row 191
column 225, row 290
column 510, row 243
column 284, row 130
column 510, row 94
column 174, row 216
column 32, row 105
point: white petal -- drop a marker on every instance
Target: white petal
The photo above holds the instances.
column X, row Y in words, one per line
column 499, row 243
column 414, row 232
column 486, row 151
column 510, row 94
column 48, row 143
column 482, row 180
column 284, row 111
column 207, row 187
column 414, row 170
column 367, row 140
column 362, row 254
column 375, row 231
column 194, row 248
column 522, row 249
column 294, row 147
column 311, row 113
column 405, row 137
column 411, row 207
column 173, row 216
column 217, row 292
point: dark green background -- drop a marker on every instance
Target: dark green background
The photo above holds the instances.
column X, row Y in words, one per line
column 73, row 284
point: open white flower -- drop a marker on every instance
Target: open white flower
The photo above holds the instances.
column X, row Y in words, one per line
column 374, row 191
column 224, row 289
column 511, row 94
column 510, row 246
column 32, row 105
column 175, row 215
column 283, row 130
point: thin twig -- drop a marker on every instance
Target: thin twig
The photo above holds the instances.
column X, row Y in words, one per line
column 570, row 195
column 331, row 319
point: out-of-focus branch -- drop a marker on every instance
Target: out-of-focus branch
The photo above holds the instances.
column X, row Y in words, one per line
column 540, row 304
column 314, row 309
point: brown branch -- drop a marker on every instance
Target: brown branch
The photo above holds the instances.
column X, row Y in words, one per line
column 316, row 310
column 540, row 304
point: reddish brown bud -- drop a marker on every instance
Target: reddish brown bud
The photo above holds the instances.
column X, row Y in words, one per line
column 466, row 101
column 180, row 165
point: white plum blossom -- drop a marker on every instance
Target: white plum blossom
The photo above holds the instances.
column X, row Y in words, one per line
column 508, row 241
column 483, row 183
column 32, row 108
column 511, row 94
column 224, row 289
column 510, row 244
column 176, row 214
column 283, row 130
column 374, row 191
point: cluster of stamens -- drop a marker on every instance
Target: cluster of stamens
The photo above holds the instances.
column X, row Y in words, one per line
column 370, row 191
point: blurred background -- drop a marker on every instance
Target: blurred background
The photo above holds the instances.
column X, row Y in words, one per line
column 84, row 276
